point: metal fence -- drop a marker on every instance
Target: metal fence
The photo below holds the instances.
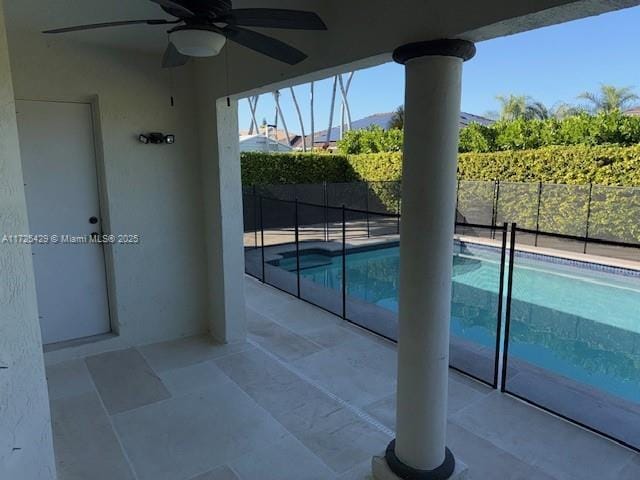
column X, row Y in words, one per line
column 592, row 212
column 558, row 330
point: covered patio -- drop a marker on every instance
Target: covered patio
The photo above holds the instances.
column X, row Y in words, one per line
column 307, row 396
column 161, row 360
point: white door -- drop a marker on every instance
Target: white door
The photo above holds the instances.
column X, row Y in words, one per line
column 59, row 165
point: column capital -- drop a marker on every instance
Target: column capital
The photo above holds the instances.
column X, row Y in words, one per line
column 463, row 49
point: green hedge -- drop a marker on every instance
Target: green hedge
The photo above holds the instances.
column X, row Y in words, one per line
column 282, row 168
column 614, row 212
column 574, row 165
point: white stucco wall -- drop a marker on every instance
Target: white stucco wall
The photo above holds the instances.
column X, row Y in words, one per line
column 155, row 191
column 222, row 191
column 26, row 449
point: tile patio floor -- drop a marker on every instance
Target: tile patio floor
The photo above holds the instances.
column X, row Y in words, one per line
column 307, row 397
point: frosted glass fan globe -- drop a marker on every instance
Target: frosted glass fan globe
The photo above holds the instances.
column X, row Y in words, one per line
column 198, row 43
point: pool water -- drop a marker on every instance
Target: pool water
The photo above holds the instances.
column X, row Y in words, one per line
column 577, row 322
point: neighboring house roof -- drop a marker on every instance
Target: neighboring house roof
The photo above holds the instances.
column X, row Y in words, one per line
column 260, row 143
column 634, row 112
column 280, row 134
column 381, row 120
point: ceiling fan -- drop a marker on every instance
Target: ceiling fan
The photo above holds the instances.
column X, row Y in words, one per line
column 204, row 26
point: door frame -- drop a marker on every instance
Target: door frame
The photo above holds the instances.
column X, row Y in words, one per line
column 103, row 203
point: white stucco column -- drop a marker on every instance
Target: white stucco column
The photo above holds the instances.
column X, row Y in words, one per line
column 432, row 116
column 222, row 187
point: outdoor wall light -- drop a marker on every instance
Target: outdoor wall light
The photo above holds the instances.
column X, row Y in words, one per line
column 157, row 138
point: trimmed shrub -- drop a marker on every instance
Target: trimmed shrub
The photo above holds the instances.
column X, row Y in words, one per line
column 574, row 165
column 282, row 168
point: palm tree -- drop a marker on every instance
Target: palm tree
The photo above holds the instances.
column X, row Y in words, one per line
column 563, row 110
column 610, row 98
column 537, row 110
column 397, row 119
column 512, row 107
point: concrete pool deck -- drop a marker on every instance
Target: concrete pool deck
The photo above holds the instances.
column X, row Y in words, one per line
column 307, row 397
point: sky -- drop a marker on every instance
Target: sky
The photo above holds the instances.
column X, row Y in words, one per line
column 551, row 64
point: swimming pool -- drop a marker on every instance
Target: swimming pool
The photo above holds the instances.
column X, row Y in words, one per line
column 572, row 319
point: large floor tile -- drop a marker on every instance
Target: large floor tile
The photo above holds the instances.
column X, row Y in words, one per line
column 485, row 460
column 201, row 376
column 277, row 339
column 86, row 447
column 297, row 404
column 287, row 459
column 359, row 372
column 464, row 391
column 125, row 381
column 384, row 410
column 187, row 351
column 558, row 448
column 359, row 472
column 342, row 439
column 331, row 335
column 68, row 379
column 194, row 433
column 260, row 296
column 300, row 317
column 254, row 366
column 333, row 433
column 631, row 470
column 220, row 473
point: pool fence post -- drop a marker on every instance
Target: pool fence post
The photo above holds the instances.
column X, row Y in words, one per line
column 503, row 256
column 262, row 237
column 366, row 197
column 255, row 216
column 455, row 220
column 507, row 325
column 586, row 233
column 398, row 209
column 496, row 201
column 325, row 199
column 297, row 249
column 344, row 263
column 538, row 212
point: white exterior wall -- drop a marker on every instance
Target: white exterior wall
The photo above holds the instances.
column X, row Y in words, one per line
column 26, row 449
column 158, row 287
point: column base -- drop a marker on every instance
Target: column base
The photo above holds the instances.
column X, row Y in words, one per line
column 389, row 467
column 381, row 470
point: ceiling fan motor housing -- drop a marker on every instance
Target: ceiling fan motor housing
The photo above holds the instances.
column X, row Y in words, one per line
column 195, row 42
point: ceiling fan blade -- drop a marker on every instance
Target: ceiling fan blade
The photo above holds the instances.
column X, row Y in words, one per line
column 274, row 18
column 265, row 45
column 95, row 26
column 173, row 58
column 174, row 8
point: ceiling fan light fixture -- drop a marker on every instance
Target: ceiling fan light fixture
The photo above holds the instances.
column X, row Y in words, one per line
column 198, row 43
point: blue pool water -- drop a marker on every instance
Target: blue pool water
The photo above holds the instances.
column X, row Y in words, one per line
column 573, row 321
